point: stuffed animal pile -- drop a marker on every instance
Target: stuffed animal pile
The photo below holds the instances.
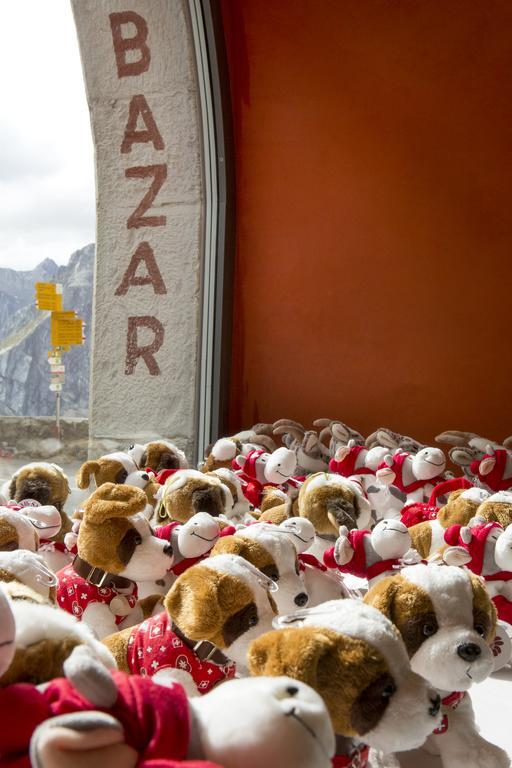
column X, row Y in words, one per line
column 325, row 602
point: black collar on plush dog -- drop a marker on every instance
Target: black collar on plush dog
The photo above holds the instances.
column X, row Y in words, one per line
column 100, row 578
column 203, row 649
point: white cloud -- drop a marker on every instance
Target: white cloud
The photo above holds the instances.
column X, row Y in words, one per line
column 46, row 155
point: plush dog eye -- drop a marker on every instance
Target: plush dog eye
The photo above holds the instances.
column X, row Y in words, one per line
column 480, row 629
column 429, row 629
column 252, row 621
column 137, row 539
column 388, row 691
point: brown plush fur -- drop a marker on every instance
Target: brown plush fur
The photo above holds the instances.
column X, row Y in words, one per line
column 159, row 456
column 118, row 647
column 103, row 470
column 421, row 538
column 105, row 523
column 315, row 505
column 339, row 668
column 201, row 600
column 42, row 483
column 247, row 548
column 195, row 495
column 9, row 536
column 495, row 512
column 39, row 663
column 457, row 511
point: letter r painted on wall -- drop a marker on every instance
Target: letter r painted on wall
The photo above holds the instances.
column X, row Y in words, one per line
column 136, row 351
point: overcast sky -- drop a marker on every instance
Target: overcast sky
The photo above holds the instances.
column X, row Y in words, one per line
column 46, row 155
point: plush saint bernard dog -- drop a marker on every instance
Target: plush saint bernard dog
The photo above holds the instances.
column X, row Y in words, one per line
column 189, row 491
column 214, row 610
column 158, row 456
column 355, row 659
column 447, row 622
column 271, row 551
column 116, row 548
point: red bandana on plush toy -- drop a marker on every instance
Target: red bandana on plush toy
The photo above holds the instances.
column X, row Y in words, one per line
column 154, row 646
column 74, row 594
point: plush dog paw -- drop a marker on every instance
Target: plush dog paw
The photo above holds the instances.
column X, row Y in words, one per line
column 80, row 740
column 90, row 677
column 343, row 551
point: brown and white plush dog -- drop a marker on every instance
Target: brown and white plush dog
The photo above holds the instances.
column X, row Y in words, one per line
column 44, row 638
column 271, row 551
column 214, row 610
column 242, row 510
column 447, row 622
column 188, row 492
column 116, row 548
column 158, row 455
column 428, row 538
column 44, row 483
column 354, row 658
column 328, row 501
column 119, row 468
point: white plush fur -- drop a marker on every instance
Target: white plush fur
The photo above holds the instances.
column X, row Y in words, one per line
column 406, row 722
column 279, row 722
column 477, row 495
column 149, row 561
column 124, row 459
column 259, row 585
column 198, row 535
column 281, row 466
column 301, row 532
column 181, row 477
column 37, row 622
column 450, row 591
column 291, row 584
column 27, row 538
column 45, row 519
column 503, row 497
column 503, row 549
column 7, row 633
column 29, row 568
column 428, row 463
column 224, row 449
column 390, row 539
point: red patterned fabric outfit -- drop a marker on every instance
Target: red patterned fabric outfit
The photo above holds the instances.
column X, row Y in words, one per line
column 154, row 646
column 357, row 759
column 74, row 594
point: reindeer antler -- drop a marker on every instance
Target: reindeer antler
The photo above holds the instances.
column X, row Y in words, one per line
column 265, row 441
column 263, row 429
column 338, row 430
column 455, row 437
column 507, row 443
column 289, row 427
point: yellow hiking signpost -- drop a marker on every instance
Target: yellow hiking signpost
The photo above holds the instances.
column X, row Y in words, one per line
column 66, row 330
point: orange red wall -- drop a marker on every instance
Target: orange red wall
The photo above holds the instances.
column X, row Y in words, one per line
column 374, row 228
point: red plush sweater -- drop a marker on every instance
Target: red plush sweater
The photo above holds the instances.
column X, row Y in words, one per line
column 155, row 719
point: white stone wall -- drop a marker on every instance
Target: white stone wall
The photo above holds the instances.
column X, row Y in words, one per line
column 136, row 396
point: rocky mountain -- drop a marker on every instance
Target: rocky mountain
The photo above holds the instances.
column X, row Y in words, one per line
column 25, row 338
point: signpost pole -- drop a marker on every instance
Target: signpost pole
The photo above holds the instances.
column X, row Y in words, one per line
column 57, row 414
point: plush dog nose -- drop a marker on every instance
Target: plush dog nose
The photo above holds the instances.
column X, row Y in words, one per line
column 436, row 705
column 168, row 550
column 145, row 476
column 301, row 599
column 469, row 651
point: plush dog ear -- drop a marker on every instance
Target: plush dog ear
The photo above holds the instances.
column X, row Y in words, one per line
column 12, row 488
column 200, row 600
column 113, row 500
column 294, row 652
column 83, row 477
column 249, row 549
column 383, row 594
